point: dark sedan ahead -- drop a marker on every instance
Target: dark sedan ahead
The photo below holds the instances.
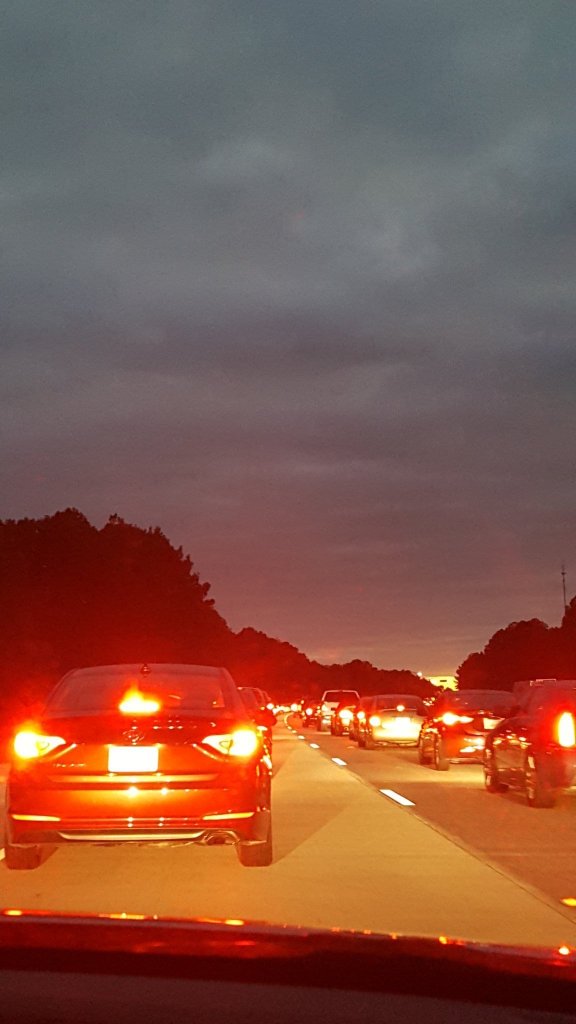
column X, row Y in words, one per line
column 534, row 750
column 128, row 753
column 457, row 724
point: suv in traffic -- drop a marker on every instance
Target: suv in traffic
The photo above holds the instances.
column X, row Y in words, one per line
column 534, row 750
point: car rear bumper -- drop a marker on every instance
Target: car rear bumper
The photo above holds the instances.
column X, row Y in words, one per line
column 464, row 746
column 390, row 737
column 252, row 829
column 137, row 810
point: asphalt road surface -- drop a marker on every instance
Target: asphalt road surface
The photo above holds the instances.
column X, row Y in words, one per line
column 447, row 860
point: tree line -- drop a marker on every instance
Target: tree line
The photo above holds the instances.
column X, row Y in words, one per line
column 528, row 649
column 73, row 595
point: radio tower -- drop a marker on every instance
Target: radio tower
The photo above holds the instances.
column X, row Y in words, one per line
column 563, row 575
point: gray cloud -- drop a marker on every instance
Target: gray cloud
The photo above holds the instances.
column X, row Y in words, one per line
column 295, row 282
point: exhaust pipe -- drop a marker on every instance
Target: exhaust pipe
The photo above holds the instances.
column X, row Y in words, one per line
column 220, row 838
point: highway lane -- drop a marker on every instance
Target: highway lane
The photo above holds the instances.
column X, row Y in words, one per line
column 345, row 857
column 536, row 846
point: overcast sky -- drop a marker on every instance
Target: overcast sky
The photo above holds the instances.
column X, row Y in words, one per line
column 295, row 281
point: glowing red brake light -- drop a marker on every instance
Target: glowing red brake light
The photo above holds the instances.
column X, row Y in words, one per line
column 135, row 703
column 566, row 730
column 449, row 718
column 240, row 743
column 29, row 744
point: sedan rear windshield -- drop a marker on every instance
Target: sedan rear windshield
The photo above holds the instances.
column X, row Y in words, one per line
column 103, row 691
column 393, row 703
column 482, row 700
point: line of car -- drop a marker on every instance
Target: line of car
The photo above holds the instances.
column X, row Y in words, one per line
column 179, row 754
column 525, row 738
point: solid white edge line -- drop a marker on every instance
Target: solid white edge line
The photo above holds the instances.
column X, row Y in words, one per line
column 402, row 800
column 340, row 762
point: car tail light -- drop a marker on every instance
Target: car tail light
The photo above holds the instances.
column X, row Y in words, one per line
column 241, row 743
column 374, row 720
column 400, row 707
column 566, row 730
column 136, row 703
column 361, row 716
column 346, row 715
column 449, row 718
column 29, row 744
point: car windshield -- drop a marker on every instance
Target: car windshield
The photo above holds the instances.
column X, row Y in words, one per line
column 398, row 702
column 103, row 690
column 552, row 700
column 493, row 700
column 287, row 407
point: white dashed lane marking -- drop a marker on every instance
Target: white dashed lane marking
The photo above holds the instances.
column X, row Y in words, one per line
column 338, row 760
column 397, row 797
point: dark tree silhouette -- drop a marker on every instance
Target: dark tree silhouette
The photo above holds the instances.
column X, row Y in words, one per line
column 528, row 649
column 73, row 595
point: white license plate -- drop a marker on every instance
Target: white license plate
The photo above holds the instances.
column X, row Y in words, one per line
column 397, row 726
column 491, row 723
column 132, row 759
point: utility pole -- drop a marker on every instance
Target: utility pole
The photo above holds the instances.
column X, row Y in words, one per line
column 563, row 575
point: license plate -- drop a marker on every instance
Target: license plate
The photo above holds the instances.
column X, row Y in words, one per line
column 491, row 723
column 398, row 726
column 133, row 759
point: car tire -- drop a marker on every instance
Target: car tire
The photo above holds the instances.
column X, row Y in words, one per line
column 361, row 740
column 439, row 759
column 257, row 855
column 319, row 725
column 423, row 757
column 21, row 858
column 539, row 792
column 369, row 743
column 491, row 775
